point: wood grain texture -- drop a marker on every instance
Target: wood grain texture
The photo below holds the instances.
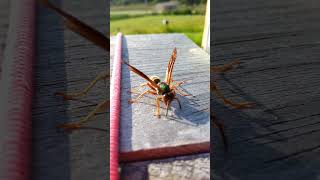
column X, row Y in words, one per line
column 67, row 62
column 278, row 43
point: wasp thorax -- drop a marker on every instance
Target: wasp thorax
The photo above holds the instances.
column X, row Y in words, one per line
column 155, row 79
column 164, row 87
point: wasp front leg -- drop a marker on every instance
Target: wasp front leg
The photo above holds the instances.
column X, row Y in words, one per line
column 158, row 100
column 101, row 76
column 143, row 84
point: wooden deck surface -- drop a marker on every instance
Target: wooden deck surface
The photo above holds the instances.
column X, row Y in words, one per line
column 67, row 62
column 278, row 43
column 141, row 130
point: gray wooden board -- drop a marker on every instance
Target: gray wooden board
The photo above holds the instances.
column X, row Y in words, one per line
column 278, row 43
column 67, row 62
column 140, row 129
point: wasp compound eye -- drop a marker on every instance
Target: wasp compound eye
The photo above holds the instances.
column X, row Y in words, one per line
column 157, row 81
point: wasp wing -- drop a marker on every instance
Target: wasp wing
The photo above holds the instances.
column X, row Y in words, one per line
column 135, row 70
column 79, row 27
column 170, row 66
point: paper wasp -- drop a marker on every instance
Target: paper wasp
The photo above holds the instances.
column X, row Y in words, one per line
column 163, row 90
column 98, row 39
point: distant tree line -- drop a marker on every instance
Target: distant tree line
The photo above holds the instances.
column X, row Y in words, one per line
column 124, row 2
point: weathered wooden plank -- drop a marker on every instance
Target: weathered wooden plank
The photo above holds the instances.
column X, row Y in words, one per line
column 67, row 62
column 140, row 129
column 278, row 44
column 149, row 53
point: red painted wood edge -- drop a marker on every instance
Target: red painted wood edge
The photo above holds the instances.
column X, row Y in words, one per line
column 164, row 152
column 115, row 107
column 16, row 90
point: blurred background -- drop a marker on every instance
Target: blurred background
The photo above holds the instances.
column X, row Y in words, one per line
column 158, row 16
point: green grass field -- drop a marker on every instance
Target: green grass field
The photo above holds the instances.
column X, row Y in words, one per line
column 190, row 25
column 141, row 19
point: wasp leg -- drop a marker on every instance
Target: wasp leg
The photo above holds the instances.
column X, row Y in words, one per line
column 77, row 125
column 221, row 129
column 241, row 105
column 143, row 84
column 158, row 100
column 134, row 91
column 226, row 67
column 181, row 92
column 167, row 108
column 141, row 95
column 178, row 83
column 101, row 76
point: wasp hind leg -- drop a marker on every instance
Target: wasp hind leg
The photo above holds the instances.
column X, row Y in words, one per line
column 179, row 91
column 77, row 125
column 71, row 96
column 182, row 93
